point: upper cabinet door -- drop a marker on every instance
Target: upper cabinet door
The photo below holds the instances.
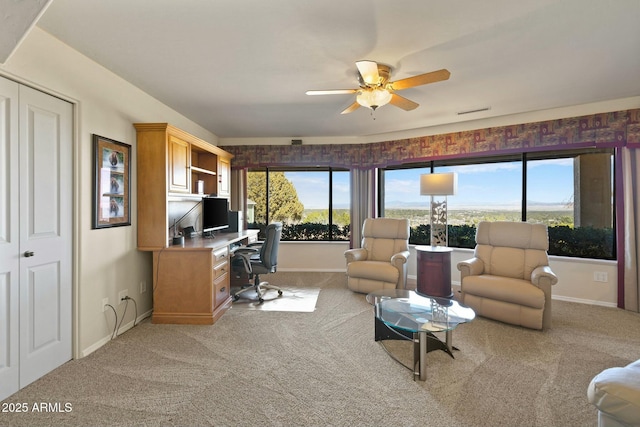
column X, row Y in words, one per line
column 179, row 164
column 224, row 175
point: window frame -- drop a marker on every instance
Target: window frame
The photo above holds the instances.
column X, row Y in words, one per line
column 330, row 170
column 524, row 157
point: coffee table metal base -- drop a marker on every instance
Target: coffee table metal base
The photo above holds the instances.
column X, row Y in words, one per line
column 423, row 343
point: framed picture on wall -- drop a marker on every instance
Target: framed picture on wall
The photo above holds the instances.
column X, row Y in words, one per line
column 111, row 183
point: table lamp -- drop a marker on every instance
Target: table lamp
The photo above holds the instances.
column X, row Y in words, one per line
column 438, row 186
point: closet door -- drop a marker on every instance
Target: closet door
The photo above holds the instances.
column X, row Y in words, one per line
column 46, row 184
column 9, row 241
column 35, row 234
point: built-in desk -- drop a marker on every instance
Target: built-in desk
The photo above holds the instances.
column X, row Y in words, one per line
column 191, row 283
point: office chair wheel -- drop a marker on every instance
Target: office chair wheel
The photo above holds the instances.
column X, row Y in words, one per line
column 260, row 301
column 279, row 293
column 236, row 297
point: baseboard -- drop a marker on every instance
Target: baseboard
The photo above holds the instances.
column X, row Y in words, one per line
column 87, row 351
column 123, row 328
column 584, row 301
column 315, row 270
column 455, row 287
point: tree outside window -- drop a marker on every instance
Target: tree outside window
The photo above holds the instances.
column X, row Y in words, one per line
column 302, row 200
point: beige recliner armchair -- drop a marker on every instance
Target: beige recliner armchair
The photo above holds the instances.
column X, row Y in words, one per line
column 509, row 278
column 381, row 262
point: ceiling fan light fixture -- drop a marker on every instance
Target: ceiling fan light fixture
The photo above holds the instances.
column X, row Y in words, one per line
column 373, row 98
column 376, row 90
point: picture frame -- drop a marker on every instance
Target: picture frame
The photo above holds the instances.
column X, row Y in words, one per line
column 111, row 183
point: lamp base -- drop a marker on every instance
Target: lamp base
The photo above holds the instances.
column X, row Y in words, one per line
column 438, row 222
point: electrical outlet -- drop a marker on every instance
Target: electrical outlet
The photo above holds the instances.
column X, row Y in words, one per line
column 143, row 287
column 122, row 295
column 600, row 276
column 105, row 303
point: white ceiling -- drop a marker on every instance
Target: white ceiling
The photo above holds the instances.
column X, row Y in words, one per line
column 240, row 68
column 16, row 19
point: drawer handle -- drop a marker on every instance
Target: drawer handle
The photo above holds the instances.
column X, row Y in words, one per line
column 223, row 289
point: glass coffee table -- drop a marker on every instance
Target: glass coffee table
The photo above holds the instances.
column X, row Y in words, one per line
column 406, row 315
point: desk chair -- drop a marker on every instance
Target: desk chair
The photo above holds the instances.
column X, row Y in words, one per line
column 259, row 258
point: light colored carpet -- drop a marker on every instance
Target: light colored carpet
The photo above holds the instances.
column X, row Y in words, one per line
column 292, row 299
column 323, row 368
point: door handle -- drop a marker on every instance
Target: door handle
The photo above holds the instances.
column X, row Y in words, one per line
column 28, row 254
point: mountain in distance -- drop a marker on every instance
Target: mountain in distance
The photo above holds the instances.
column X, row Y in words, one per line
column 412, row 204
column 424, row 204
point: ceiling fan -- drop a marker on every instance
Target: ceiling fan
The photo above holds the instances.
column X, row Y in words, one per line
column 376, row 90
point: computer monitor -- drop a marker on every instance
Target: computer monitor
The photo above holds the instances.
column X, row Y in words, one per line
column 215, row 214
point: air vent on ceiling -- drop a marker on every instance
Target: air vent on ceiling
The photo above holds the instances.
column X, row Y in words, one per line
column 475, row 110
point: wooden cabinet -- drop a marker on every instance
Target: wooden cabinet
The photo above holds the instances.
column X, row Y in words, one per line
column 191, row 284
column 204, row 167
column 221, row 266
column 170, row 163
column 179, row 162
column 224, row 176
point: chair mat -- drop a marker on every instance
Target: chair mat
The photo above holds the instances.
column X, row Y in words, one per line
column 292, row 299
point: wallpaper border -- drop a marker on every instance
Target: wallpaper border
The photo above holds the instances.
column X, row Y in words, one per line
column 612, row 129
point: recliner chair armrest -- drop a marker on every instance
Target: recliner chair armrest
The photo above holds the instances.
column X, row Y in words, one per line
column 399, row 261
column 543, row 273
column 357, row 254
column 400, row 258
column 471, row 267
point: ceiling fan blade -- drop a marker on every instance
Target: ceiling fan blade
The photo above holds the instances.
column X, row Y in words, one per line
column 330, row 92
column 351, row 108
column 369, row 72
column 404, row 103
column 421, row 79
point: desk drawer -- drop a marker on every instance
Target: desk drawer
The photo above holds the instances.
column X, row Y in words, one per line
column 220, row 269
column 220, row 255
column 220, row 289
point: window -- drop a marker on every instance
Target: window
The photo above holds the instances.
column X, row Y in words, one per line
column 340, row 205
column 573, row 194
column 312, row 204
column 570, row 192
column 489, row 191
column 401, row 195
column 550, row 191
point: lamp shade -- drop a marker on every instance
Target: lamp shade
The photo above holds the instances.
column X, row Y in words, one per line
column 438, row 184
column 373, row 98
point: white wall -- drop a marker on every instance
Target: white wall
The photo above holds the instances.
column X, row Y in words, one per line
column 106, row 260
column 575, row 276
